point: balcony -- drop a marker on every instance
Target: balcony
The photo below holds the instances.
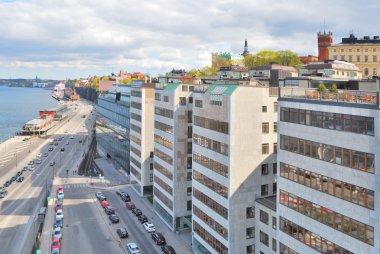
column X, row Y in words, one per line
column 345, row 96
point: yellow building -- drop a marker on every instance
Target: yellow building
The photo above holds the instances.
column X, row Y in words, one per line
column 363, row 52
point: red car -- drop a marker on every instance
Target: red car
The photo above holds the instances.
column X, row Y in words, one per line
column 60, row 188
column 105, row 203
column 56, row 244
column 58, row 206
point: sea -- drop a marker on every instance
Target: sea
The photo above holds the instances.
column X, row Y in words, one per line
column 19, row 105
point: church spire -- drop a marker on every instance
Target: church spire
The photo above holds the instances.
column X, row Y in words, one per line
column 246, row 51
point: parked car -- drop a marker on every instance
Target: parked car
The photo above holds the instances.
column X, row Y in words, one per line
column 130, row 205
column 55, row 251
column 80, row 141
column 38, row 161
column 125, row 198
column 3, row 193
column 58, row 206
column 142, row 218
column 102, row 198
column 60, row 195
column 62, row 149
column 13, row 178
column 39, row 155
column 31, row 163
column 136, row 211
column 20, row 179
column 98, row 194
column 45, row 154
column 58, row 223
column 168, row 249
column 19, row 173
column 56, row 244
column 59, row 214
column 57, row 233
column 114, row 218
column 119, row 193
column 60, row 188
column 105, row 203
column 149, row 227
column 24, row 169
column 52, row 163
column 7, row 183
column 122, row 232
column 109, row 210
column 67, row 143
column 55, row 143
column 158, row 238
column 51, row 149
column 132, row 248
column 72, row 137
column 31, row 168
column 51, row 143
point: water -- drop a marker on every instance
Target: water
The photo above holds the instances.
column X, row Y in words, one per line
column 19, row 105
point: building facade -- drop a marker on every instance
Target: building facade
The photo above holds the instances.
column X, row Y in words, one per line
column 112, row 123
column 266, row 226
column 173, row 154
column 328, row 173
column 234, row 162
column 141, row 137
column 363, row 52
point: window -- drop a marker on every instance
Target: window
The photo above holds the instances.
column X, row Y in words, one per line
column 366, row 71
column 189, row 147
column 374, row 58
column 335, row 57
column 157, row 97
column 264, row 109
column 264, row 189
column 189, row 176
column 264, row 218
column 274, row 188
column 275, row 127
column 250, row 232
column 182, row 101
column 166, row 98
column 366, row 59
column 151, row 166
column 250, row 212
column 274, row 222
column 251, row 249
column 190, row 131
column 190, row 99
column 374, row 71
column 350, row 58
column 264, row 169
column 274, row 147
column 274, row 168
column 189, row 191
column 358, row 59
column 264, row 238
column 151, row 154
column 184, row 88
column 265, row 127
column 342, row 58
column 189, row 205
column 274, row 244
column 265, row 148
column 199, row 103
column 151, row 177
column 210, row 222
column 275, row 105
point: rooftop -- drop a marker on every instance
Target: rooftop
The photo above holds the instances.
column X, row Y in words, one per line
column 352, row 39
column 269, row 202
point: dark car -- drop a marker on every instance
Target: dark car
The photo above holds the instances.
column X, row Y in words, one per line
column 114, row 218
column 119, row 193
column 19, row 173
column 109, row 210
column 3, row 193
column 125, row 198
column 102, row 198
column 158, row 238
column 55, row 143
column 136, row 211
column 122, row 232
column 58, row 223
column 142, row 218
column 62, row 149
column 24, row 169
column 168, row 249
column 51, row 149
column 7, row 183
column 20, row 179
column 130, row 205
column 13, row 178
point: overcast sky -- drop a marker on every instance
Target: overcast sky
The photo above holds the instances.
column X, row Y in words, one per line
column 77, row 38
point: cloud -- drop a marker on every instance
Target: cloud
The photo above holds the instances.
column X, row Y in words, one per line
column 57, row 37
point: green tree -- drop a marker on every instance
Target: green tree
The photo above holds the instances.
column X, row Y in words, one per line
column 209, row 71
column 289, row 58
column 250, row 61
column 220, row 61
column 266, row 57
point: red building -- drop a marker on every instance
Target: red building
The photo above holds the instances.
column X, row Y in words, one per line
column 325, row 40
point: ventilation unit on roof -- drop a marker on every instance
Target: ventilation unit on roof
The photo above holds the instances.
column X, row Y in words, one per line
column 376, row 37
column 366, row 37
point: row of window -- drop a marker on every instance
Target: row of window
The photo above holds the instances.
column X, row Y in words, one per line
column 211, row 184
column 336, row 188
column 163, row 156
column 209, row 238
column 215, row 166
column 120, row 119
column 265, row 189
column 164, row 199
column 312, row 240
column 163, row 127
column 134, row 161
column 163, row 112
column 333, row 154
column 163, row 141
column 136, row 128
column 213, row 145
column 163, row 170
column 210, row 222
column 163, row 185
column 357, row 50
column 136, row 105
column 218, row 208
column 265, row 148
column 136, row 93
column 211, row 124
column 135, row 139
column 136, row 151
column 344, row 224
column 265, row 127
column 358, row 58
column 136, row 173
column 328, row 120
column 136, row 117
column 286, row 250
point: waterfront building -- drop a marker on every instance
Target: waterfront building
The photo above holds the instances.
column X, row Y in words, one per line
column 112, row 123
column 141, row 137
column 328, row 174
column 234, row 163
column 173, row 154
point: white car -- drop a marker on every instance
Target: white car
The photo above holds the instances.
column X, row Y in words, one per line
column 38, row 161
column 72, row 137
column 59, row 214
column 39, row 155
column 149, row 227
column 132, row 248
column 60, row 195
column 31, row 168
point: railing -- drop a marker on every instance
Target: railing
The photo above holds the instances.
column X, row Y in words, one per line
column 200, row 88
column 349, row 96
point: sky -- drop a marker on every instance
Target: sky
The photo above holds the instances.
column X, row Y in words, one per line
column 75, row 39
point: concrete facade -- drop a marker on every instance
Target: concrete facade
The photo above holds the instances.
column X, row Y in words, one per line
column 346, row 191
column 266, row 225
column 228, row 158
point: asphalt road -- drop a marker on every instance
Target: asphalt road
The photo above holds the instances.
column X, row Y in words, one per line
column 21, row 203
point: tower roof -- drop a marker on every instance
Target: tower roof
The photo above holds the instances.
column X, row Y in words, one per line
column 246, row 51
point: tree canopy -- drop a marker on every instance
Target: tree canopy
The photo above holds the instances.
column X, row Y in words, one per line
column 265, row 57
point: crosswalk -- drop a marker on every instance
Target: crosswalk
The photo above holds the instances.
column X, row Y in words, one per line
column 74, row 186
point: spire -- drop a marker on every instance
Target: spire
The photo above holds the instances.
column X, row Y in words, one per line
column 246, row 51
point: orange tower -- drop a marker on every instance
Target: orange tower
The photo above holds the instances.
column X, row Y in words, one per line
column 324, row 41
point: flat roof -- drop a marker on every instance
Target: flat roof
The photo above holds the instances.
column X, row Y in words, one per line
column 269, row 202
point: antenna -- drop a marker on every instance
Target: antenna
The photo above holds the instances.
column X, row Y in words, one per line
column 324, row 25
